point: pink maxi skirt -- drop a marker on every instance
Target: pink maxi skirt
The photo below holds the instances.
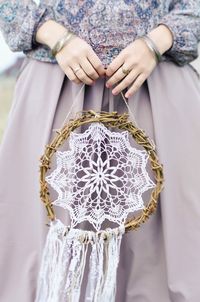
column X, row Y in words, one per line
column 160, row 262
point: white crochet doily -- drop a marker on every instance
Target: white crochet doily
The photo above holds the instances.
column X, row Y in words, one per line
column 101, row 177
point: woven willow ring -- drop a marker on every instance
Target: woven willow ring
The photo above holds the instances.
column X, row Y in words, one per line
column 112, row 120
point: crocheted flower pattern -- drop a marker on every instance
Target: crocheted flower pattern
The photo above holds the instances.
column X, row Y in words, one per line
column 101, row 177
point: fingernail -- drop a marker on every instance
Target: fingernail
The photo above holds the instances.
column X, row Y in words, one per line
column 114, row 92
column 108, row 85
column 127, row 95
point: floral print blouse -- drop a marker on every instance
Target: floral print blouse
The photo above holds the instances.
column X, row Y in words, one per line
column 107, row 25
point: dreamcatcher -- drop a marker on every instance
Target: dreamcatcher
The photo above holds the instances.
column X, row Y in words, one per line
column 100, row 178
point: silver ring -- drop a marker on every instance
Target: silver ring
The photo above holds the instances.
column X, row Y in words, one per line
column 77, row 69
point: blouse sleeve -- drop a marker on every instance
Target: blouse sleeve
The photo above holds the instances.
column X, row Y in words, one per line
column 183, row 20
column 19, row 20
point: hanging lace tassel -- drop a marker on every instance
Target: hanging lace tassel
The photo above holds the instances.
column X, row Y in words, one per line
column 51, row 270
column 104, row 261
column 108, row 289
column 63, row 265
column 76, row 268
column 95, row 267
column 64, row 259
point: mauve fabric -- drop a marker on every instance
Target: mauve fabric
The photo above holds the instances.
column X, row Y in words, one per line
column 160, row 262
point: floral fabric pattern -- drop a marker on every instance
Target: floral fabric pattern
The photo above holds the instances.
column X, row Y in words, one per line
column 107, row 25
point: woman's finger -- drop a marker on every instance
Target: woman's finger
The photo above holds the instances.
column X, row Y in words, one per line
column 121, row 73
column 115, row 65
column 128, row 80
column 117, row 77
column 71, row 75
column 96, row 62
column 81, row 75
column 89, row 69
column 136, row 85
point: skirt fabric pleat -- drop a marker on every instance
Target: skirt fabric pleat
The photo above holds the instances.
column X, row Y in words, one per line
column 160, row 261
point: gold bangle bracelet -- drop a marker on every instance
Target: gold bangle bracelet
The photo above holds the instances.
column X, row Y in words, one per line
column 63, row 41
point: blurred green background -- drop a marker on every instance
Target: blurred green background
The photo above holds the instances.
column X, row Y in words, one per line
column 7, row 84
column 6, row 92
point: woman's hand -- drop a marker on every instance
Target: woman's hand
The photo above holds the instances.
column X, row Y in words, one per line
column 79, row 62
column 136, row 62
column 77, row 59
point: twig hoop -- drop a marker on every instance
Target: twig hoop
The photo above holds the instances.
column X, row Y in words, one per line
column 113, row 120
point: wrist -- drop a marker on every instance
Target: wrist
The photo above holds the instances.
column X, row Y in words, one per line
column 49, row 33
column 162, row 37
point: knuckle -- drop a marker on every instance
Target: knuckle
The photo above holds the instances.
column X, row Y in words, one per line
column 140, row 68
column 126, row 55
column 76, row 57
column 111, row 70
column 147, row 73
column 137, row 62
column 143, row 69
column 133, row 64
column 85, row 50
column 98, row 66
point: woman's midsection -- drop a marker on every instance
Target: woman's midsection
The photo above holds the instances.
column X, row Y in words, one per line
column 108, row 25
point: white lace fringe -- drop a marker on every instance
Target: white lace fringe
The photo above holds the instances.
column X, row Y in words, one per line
column 64, row 260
